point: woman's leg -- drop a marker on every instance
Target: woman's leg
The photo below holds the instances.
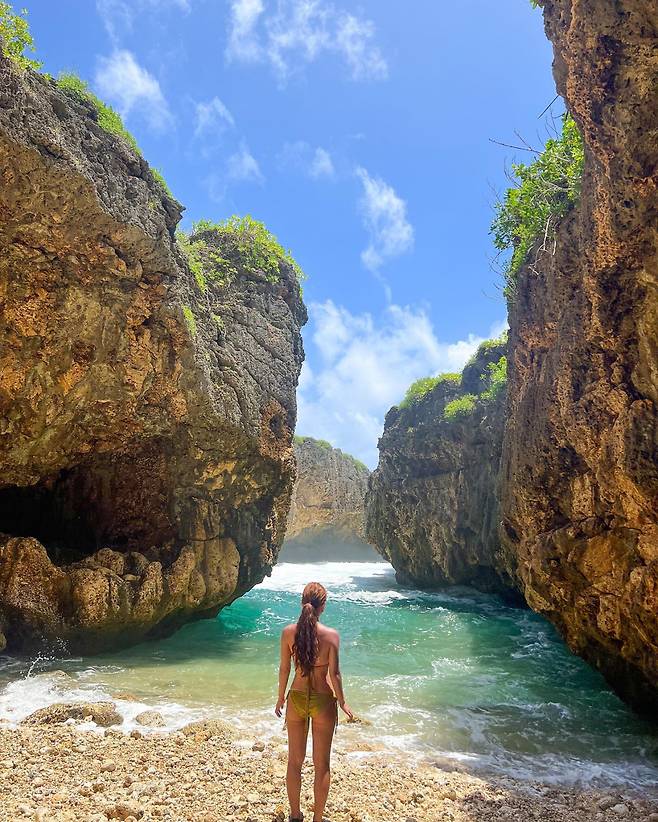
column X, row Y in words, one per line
column 324, row 725
column 297, row 735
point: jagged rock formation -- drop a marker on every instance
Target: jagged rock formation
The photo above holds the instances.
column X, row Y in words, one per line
column 326, row 520
column 580, row 486
column 432, row 503
column 146, row 461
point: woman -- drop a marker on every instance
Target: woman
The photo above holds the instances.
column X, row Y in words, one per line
column 316, row 691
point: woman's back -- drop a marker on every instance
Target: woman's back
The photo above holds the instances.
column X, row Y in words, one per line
column 314, row 697
column 327, row 644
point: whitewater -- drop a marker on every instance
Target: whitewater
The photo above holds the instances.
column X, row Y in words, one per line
column 454, row 677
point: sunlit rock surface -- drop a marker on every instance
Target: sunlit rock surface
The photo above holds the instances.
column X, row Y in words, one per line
column 146, row 460
column 580, row 466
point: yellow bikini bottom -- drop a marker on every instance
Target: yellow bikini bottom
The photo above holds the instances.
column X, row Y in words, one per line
column 308, row 704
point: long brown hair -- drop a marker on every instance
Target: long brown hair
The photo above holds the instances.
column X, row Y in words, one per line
column 305, row 648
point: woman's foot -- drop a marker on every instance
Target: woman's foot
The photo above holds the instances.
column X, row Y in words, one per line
column 299, row 818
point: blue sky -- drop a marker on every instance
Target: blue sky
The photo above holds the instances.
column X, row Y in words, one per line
column 360, row 134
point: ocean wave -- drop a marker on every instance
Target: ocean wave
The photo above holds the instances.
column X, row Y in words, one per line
column 21, row 697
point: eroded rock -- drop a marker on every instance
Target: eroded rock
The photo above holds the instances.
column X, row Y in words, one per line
column 580, row 461
column 146, row 459
column 150, row 719
column 205, row 729
column 432, row 503
column 102, row 713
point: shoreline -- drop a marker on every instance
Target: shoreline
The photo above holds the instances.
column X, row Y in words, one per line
column 207, row 772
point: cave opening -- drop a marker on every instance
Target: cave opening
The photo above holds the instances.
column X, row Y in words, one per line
column 121, row 501
column 55, row 515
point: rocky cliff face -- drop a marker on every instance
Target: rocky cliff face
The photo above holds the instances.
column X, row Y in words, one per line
column 432, row 503
column 146, row 461
column 326, row 515
column 580, row 468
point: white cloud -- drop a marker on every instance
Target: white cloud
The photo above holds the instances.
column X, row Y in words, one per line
column 212, row 116
column 315, row 163
column 118, row 15
column 322, row 164
column 243, row 43
column 354, row 37
column 289, row 32
column 384, row 216
column 128, row 86
column 243, row 167
column 365, row 367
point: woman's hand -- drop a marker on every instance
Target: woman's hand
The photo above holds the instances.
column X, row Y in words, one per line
column 279, row 706
column 345, row 708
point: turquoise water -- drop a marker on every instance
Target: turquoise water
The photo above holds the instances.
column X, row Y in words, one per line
column 453, row 675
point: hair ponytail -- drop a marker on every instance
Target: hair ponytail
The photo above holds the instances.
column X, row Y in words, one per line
column 306, row 646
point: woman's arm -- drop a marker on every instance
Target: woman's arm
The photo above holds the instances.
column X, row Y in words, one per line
column 284, row 672
column 335, row 677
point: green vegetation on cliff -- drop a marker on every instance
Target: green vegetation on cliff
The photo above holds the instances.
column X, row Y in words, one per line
column 491, row 378
column 497, row 379
column 108, row 119
column 544, row 191
column 16, row 38
column 461, row 407
column 216, row 251
column 190, row 320
column 418, row 389
column 161, row 180
column 321, row 443
column 485, row 347
column 329, row 447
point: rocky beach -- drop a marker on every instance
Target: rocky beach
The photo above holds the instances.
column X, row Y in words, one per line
column 168, row 487
column 205, row 773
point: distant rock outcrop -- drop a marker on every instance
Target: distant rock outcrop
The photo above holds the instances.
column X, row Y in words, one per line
column 432, row 503
column 326, row 519
column 146, row 460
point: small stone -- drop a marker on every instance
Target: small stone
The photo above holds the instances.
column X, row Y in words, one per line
column 124, row 810
column 620, row 809
column 108, row 765
column 253, row 797
column 258, row 746
column 128, row 780
column 135, row 734
column 150, row 719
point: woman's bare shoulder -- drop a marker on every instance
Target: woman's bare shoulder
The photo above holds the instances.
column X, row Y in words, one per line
column 329, row 635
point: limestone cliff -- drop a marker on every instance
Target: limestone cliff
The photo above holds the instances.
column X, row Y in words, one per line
column 432, row 503
column 580, row 467
column 326, row 519
column 146, row 460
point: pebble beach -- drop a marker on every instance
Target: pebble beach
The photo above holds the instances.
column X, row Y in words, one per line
column 206, row 773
